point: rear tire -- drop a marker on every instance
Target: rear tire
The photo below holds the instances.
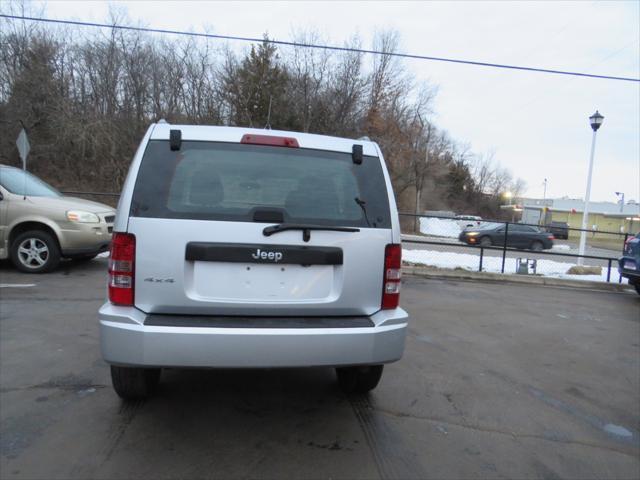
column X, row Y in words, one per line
column 485, row 242
column 359, row 379
column 134, row 383
column 637, row 285
column 537, row 246
column 35, row 251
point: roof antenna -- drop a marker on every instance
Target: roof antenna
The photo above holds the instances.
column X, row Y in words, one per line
column 268, row 125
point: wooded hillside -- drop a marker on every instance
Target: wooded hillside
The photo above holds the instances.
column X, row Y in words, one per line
column 86, row 97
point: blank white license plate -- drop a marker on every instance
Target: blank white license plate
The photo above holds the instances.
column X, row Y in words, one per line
column 629, row 265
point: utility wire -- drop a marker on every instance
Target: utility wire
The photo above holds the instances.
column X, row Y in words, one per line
column 322, row 47
column 611, row 55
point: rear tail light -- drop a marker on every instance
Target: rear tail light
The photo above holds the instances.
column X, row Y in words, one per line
column 551, row 237
column 270, row 140
column 392, row 276
column 122, row 269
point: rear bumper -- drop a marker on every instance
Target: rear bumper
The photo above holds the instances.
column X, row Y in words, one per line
column 126, row 340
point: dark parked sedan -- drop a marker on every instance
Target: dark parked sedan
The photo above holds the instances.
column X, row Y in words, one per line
column 559, row 229
column 518, row 236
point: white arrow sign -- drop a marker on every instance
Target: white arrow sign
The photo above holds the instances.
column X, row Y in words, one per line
column 23, row 147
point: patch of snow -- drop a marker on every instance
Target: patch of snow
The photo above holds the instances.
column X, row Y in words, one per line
column 466, row 261
column 617, row 430
column 561, row 247
column 439, row 227
column 103, row 255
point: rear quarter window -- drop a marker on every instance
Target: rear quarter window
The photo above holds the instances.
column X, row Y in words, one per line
column 229, row 181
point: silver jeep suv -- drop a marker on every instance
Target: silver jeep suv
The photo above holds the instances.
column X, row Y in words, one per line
column 243, row 248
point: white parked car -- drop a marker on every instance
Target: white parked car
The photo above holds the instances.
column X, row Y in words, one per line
column 241, row 248
column 465, row 221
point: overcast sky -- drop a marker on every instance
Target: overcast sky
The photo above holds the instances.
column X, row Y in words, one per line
column 537, row 124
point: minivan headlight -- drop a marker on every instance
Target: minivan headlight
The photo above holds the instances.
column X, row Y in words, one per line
column 81, row 216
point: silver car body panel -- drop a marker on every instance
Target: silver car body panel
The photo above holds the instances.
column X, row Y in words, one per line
column 127, row 341
column 167, row 283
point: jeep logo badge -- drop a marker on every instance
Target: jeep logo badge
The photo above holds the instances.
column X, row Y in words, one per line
column 261, row 255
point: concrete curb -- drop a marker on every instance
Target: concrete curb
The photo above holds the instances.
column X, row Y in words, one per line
column 433, row 272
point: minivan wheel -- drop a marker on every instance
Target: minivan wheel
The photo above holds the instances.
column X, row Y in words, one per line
column 537, row 246
column 359, row 379
column 132, row 383
column 35, row 251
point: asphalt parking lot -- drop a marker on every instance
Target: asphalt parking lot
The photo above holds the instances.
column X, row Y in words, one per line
column 498, row 381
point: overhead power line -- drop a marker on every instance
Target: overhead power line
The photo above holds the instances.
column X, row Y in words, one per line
column 322, row 47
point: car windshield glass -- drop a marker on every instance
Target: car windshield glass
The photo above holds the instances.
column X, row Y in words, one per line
column 230, row 181
column 23, row 183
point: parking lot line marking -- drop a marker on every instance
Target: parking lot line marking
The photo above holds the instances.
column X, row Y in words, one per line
column 16, row 285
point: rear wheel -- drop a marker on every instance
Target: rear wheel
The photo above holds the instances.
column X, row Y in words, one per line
column 359, row 379
column 134, row 383
column 485, row 242
column 537, row 246
column 35, row 251
column 637, row 285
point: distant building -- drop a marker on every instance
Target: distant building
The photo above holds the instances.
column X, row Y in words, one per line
column 606, row 216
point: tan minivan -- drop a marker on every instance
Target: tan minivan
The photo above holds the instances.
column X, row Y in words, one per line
column 39, row 225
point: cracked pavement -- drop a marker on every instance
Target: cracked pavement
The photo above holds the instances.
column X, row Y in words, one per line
column 498, row 381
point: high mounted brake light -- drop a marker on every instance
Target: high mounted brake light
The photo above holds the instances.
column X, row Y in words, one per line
column 269, row 140
column 392, row 276
column 122, row 269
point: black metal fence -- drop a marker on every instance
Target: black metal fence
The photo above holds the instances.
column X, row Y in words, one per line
column 437, row 244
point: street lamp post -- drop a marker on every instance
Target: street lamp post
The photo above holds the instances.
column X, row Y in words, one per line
column 621, row 195
column 595, row 120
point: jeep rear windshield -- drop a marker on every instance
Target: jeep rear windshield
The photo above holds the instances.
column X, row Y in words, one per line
column 230, row 182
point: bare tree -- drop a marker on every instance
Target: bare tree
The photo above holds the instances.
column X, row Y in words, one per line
column 87, row 98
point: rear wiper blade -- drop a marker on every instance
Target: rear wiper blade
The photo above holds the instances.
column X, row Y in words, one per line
column 306, row 229
column 362, row 204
